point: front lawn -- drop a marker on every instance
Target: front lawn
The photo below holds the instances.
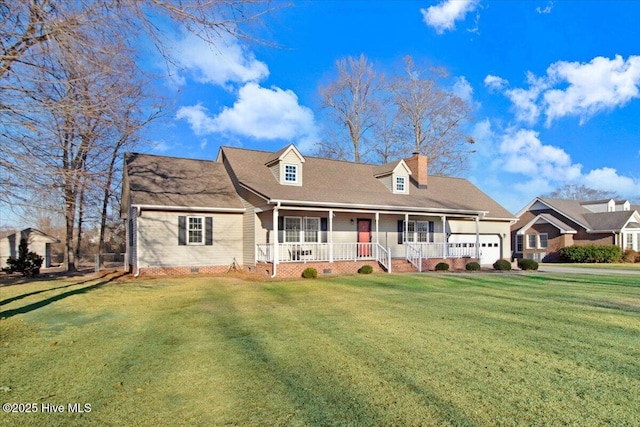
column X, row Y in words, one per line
column 432, row 349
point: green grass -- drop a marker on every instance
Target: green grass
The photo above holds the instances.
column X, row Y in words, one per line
column 606, row 266
column 433, row 349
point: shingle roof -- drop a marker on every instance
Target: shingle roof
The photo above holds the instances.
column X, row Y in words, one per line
column 341, row 183
column 600, row 221
column 176, row 182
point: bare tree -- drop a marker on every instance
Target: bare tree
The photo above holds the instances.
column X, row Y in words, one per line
column 431, row 118
column 581, row 192
column 72, row 98
column 352, row 103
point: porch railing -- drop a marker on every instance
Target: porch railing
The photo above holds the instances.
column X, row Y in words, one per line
column 322, row 252
column 416, row 252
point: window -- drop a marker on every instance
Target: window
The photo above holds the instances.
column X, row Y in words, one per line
column 301, row 229
column 290, row 173
column 400, row 185
column 629, row 241
column 292, row 227
column 195, row 230
column 420, row 231
column 519, row 242
column 531, row 241
column 311, row 229
column 544, row 240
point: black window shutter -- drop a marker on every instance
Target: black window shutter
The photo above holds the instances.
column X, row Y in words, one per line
column 280, row 223
column 400, row 231
column 323, row 229
column 208, row 236
column 182, row 230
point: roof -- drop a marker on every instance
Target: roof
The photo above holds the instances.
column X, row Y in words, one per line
column 591, row 221
column 339, row 183
column 550, row 219
column 27, row 232
column 176, row 182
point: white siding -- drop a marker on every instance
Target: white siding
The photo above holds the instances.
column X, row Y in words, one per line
column 158, row 241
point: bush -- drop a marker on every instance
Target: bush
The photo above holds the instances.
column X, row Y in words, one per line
column 28, row 263
column 591, row 253
column 527, row 264
column 472, row 266
column 365, row 269
column 502, row 264
column 442, row 266
column 310, row 273
column 630, row 255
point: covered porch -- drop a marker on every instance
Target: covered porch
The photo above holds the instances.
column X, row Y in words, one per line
column 326, row 236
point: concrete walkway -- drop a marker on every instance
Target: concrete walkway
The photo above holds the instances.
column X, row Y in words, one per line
column 550, row 268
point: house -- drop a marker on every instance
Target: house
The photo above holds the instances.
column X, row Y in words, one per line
column 37, row 242
column 547, row 225
column 280, row 212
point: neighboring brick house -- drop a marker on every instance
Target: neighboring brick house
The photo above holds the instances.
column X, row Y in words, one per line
column 280, row 212
column 547, row 225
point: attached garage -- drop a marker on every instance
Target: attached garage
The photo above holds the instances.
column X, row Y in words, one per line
column 489, row 246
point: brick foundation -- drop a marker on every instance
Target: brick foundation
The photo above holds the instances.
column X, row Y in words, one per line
column 454, row 263
column 181, row 271
column 295, row 269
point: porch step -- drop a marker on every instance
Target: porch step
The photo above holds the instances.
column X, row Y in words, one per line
column 401, row 265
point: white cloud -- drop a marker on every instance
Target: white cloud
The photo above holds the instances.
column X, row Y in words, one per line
column 524, row 153
column 545, row 10
column 495, row 82
column 225, row 61
column 574, row 89
column 599, row 85
column 607, row 179
column 261, row 113
column 442, row 17
column 462, row 88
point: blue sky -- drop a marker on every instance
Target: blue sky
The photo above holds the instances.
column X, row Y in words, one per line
column 555, row 85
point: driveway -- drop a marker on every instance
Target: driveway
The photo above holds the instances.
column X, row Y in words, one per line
column 550, row 268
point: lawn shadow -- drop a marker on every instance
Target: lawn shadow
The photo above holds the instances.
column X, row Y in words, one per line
column 28, row 294
column 42, row 303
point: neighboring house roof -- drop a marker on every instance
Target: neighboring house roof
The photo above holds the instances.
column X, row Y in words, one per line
column 339, row 183
column 576, row 211
column 166, row 182
column 28, row 232
column 550, row 219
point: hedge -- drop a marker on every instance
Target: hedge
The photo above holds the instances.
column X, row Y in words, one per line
column 591, row 253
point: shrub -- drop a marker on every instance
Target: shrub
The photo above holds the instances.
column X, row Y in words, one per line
column 310, row 273
column 502, row 264
column 527, row 264
column 365, row 269
column 472, row 266
column 28, row 263
column 442, row 266
column 591, row 253
column 630, row 255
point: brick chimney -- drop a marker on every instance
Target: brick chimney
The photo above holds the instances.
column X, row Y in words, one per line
column 418, row 166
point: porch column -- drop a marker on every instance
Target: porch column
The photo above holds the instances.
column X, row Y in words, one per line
column 377, row 233
column 406, row 231
column 478, row 238
column 275, row 239
column 330, row 237
column 443, row 218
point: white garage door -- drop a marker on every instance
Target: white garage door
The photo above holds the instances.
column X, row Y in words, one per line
column 489, row 246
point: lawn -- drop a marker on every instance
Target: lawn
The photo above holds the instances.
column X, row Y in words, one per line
column 600, row 265
column 432, row 349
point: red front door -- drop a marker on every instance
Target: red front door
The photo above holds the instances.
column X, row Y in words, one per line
column 364, row 237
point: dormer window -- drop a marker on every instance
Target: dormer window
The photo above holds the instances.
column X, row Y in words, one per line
column 400, row 184
column 291, row 173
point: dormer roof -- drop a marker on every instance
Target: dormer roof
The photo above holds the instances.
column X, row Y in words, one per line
column 283, row 153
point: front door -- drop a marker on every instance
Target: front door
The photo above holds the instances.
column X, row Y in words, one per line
column 364, row 237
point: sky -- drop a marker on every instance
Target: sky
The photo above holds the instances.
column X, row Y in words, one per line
column 554, row 85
